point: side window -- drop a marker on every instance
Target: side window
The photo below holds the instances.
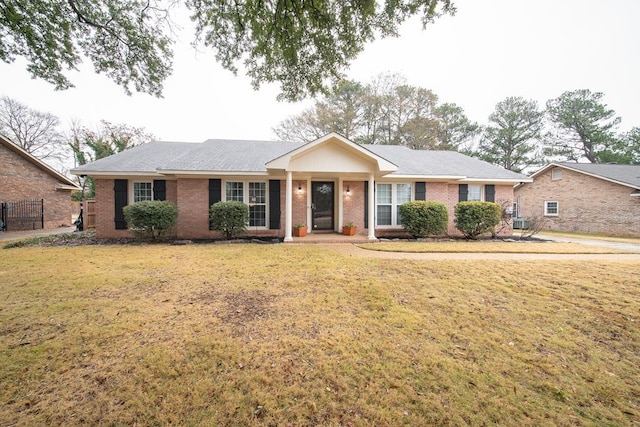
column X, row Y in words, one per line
column 551, row 208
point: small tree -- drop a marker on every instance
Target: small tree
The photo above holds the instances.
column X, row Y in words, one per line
column 231, row 218
column 476, row 218
column 151, row 218
column 423, row 219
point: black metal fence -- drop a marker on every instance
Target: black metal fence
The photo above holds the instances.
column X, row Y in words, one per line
column 22, row 215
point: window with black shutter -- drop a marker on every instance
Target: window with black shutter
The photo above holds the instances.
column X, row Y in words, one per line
column 120, row 201
column 421, row 191
column 274, row 204
column 215, row 194
column 489, row 193
column 463, row 191
column 159, row 189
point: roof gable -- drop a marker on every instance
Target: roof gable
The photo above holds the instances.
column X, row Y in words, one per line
column 627, row 175
column 335, row 153
column 19, row 151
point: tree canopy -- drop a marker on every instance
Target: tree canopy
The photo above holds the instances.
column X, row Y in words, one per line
column 512, row 139
column 585, row 126
column 385, row 111
column 35, row 131
column 305, row 46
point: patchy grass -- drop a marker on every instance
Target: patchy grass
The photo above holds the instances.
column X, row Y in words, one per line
column 489, row 246
column 298, row 335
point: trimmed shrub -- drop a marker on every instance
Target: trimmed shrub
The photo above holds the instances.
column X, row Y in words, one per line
column 151, row 218
column 476, row 218
column 231, row 218
column 423, row 219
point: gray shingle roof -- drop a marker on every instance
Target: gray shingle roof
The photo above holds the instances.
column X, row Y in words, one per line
column 627, row 174
column 443, row 163
column 221, row 155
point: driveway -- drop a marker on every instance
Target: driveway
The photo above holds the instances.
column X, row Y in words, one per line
column 19, row 235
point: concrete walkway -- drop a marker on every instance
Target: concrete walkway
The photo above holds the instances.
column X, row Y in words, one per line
column 19, row 235
column 592, row 242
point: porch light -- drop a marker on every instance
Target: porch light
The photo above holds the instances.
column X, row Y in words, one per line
column 299, row 188
column 348, row 191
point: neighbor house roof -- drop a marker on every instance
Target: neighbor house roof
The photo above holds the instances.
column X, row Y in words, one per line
column 627, row 175
column 64, row 182
column 223, row 156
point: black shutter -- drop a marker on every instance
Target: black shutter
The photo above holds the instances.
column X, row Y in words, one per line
column 489, row 193
column 366, row 204
column 421, row 191
column 120, row 201
column 215, row 194
column 274, row 204
column 159, row 189
column 463, row 191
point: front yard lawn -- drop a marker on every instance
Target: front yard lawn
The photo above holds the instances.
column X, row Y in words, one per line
column 230, row 335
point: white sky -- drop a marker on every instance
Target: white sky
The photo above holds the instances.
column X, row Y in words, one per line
column 489, row 50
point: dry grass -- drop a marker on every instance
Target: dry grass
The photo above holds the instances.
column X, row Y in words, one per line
column 608, row 238
column 489, row 246
column 298, row 335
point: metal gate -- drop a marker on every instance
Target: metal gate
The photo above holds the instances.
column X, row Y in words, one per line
column 22, row 215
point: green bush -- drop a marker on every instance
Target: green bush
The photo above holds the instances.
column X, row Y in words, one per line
column 231, row 218
column 476, row 218
column 423, row 219
column 151, row 218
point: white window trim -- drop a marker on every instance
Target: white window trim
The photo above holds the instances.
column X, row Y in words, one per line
column 246, row 201
column 546, row 208
column 132, row 184
column 394, row 204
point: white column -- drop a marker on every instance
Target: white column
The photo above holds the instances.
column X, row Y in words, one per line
column 372, row 207
column 340, row 221
column 288, row 223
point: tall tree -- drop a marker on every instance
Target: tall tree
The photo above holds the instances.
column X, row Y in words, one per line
column 512, row 140
column 624, row 150
column 303, row 45
column 35, row 131
column 385, row 111
column 455, row 130
column 90, row 145
column 585, row 127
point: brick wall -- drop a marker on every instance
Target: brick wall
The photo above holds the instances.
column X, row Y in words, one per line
column 21, row 179
column 585, row 204
column 353, row 205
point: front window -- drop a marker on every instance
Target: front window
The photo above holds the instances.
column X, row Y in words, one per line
column 551, row 208
column 474, row 193
column 389, row 197
column 255, row 197
column 142, row 191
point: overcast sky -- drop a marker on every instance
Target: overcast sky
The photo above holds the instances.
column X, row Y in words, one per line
column 489, row 50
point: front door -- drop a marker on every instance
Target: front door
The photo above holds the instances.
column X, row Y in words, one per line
column 322, row 205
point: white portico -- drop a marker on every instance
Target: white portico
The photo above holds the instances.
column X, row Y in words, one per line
column 322, row 165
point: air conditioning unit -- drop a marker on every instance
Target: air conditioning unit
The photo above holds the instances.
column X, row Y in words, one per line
column 521, row 223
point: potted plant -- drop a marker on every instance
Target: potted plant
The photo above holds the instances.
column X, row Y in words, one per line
column 349, row 229
column 299, row 230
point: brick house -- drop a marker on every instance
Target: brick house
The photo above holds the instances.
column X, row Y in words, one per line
column 322, row 184
column 583, row 197
column 22, row 177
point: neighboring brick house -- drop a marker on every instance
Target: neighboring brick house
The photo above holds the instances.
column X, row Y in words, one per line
column 583, row 197
column 24, row 177
column 323, row 184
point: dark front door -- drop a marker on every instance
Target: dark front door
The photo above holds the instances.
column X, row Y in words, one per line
column 322, row 205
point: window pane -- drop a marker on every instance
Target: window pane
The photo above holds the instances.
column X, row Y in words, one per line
column 258, row 216
column 383, row 195
column 384, row 215
column 234, row 191
column 257, row 192
column 475, row 193
column 142, row 191
column 404, row 193
column 551, row 208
